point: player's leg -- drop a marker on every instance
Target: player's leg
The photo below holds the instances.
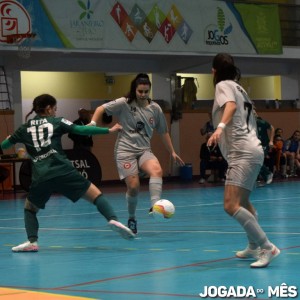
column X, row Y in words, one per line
column 133, row 187
column 236, row 203
column 128, row 170
column 31, row 227
column 74, row 187
column 36, row 199
column 94, row 195
column 149, row 164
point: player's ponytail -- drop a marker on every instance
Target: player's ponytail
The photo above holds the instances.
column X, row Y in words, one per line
column 40, row 103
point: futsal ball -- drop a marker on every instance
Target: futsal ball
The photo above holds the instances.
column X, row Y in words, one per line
column 163, row 210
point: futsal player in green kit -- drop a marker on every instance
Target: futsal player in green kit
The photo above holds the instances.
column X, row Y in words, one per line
column 52, row 171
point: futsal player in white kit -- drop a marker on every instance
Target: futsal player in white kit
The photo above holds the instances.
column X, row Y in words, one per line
column 139, row 116
column 236, row 135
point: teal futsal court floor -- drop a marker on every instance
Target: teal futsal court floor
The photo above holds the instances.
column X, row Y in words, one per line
column 80, row 256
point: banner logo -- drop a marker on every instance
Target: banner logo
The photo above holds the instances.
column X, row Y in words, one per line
column 148, row 25
column 14, row 19
column 217, row 34
column 87, row 12
column 87, row 28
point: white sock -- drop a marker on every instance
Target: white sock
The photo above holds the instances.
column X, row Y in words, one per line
column 131, row 205
column 252, row 245
column 155, row 189
column 252, row 228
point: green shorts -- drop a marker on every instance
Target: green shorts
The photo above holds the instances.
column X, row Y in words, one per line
column 72, row 186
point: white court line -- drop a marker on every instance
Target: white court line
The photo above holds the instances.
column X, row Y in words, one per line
column 143, row 209
column 149, row 231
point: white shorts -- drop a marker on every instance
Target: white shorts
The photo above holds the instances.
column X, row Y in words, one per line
column 243, row 175
column 130, row 164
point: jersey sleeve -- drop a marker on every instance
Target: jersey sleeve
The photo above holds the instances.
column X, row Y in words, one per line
column 224, row 93
column 161, row 123
column 6, row 144
column 89, row 130
column 114, row 107
column 17, row 136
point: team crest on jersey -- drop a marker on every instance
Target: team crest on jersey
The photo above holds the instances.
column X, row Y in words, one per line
column 127, row 166
column 151, row 121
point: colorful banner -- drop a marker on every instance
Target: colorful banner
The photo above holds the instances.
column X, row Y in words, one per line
column 136, row 25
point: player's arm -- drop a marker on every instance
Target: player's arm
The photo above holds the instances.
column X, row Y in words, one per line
column 272, row 133
column 168, row 144
column 6, row 144
column 93, row 130
column 98, row 115
column 228, row 112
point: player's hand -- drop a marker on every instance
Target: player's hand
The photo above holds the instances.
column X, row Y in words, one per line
column 178, row 160
column 215, row 138
column 116, row 128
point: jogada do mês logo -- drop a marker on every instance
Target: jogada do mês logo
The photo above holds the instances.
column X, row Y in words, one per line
column 217, row 34
column 14, row 19
column 156, row 21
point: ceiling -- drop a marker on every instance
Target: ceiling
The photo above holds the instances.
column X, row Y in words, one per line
column 161, row 62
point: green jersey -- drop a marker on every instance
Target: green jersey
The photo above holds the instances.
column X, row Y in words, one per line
column 42, row 139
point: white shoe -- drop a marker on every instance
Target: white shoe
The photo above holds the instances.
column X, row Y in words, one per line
column 124, row 231
column 269, row 178
column 26, row 247
column 202, row 180
column 211, row 178
column 265, row 257
column 248, row 253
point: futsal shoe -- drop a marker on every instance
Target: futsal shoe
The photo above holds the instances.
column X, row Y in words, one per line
column 269, row 178
column 26, row 247
column 150, row 213
column 265, row 257
column 132, row 224
column 124, row 231
column 248, row 253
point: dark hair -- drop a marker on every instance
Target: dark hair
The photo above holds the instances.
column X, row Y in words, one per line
column 40, row 103
column 139, row 79
column 292, row 136
column 277, row 129
column 225, row 69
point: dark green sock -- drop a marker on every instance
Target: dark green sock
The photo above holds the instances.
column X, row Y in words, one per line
column 105, row 208
column 31, row 225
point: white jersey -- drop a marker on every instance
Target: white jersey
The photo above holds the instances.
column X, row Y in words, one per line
column 239, row 142
column 138, row 124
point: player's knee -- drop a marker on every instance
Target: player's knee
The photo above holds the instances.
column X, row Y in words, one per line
column 156, row 171
column 230, row 208
column 133, row 191
column 31, row 207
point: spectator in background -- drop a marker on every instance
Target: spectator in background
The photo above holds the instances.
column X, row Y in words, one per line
column 291, row 147
column 278, row 157
column 211, row 160
column 81, row 141
column 208, row 126
column 265, row 133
